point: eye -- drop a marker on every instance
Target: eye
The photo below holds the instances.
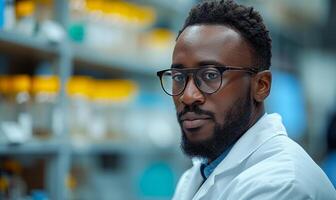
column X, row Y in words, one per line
column 178, row 77
column 210, row 75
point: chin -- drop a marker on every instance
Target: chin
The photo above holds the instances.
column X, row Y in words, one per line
column 195, row 146
column 198, row 139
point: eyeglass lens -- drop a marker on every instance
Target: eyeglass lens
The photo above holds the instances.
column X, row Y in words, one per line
column 208, row 80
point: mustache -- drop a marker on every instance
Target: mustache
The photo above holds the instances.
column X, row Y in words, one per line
column 195, row 109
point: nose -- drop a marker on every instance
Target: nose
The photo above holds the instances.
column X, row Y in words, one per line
column 191, row 94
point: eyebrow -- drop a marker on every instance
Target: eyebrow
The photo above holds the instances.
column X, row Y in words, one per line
column 199, row 64
column 177, row 66
column 209, row 62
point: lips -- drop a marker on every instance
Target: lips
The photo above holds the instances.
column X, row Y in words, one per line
column 192, row 120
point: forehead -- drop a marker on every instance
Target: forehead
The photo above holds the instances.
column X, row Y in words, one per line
column 217, row 43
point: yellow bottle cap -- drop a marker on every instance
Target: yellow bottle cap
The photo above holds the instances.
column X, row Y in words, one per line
column 100, row 90
column 79, row 85
column 25, row 8
column 20, row 83
column 4, row 84
column 147, row 16
column 160, row 39
column 121, row 90
column 162, row 35
column 94, row 5
column 47, row 84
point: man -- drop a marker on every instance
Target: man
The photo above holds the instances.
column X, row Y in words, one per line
column 219, row 80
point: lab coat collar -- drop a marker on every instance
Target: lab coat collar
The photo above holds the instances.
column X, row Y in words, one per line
column 268, row 126
column 193, row 182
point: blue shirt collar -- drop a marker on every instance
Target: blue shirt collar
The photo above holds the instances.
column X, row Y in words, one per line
column 208, row 168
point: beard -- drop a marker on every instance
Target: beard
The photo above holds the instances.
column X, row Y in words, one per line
column 234, row 125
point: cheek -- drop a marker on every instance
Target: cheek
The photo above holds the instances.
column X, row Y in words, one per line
column 225, row 100
column 221, row 106
column 177, row 103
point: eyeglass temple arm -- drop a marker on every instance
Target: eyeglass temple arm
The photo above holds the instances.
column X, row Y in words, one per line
column 251, row 70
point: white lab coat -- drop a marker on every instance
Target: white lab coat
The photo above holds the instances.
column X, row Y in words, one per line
column 263, row 164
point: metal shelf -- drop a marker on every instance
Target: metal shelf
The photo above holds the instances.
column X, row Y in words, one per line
column 17, row 44
column 84, row 56
column 36, row 148
column 99, row 148
column 121, row 147
column 48, row 148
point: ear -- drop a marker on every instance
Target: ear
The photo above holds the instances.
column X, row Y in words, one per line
column 262, row 85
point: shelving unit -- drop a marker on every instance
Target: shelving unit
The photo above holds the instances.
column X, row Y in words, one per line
column 67, row 55
column 60, row 152
column 15, row 43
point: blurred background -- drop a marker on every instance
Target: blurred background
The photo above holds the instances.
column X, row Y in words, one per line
column 82, row 114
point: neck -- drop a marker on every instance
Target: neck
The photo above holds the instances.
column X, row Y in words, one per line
column 257, row 113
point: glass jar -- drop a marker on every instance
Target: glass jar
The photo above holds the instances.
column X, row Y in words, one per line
column 26, row 23
column 45, row 92
column 99, row 104
column 121, row 94
column 6, row 109
column 16, row 187
column 78, row 89
column 18, row 129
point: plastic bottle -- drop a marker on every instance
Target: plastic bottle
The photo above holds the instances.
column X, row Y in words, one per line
column 116, row 25
column 4, row 95
column 77, row 26
column 18, row 128
column 121, row 94
column 45, row 92
column 44, row 10
column 78, row 89
column 9, row 15
column 158, row 45
column 26, row 23
column 5, row 106
column 99, row 104
column 101, row 34
column 17, row 188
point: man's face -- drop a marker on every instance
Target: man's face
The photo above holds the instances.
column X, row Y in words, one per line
column 211, row 122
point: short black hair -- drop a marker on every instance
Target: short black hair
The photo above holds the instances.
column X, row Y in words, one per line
column 245, row 20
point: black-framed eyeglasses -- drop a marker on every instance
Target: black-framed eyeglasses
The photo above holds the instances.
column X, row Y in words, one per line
column 207, row 79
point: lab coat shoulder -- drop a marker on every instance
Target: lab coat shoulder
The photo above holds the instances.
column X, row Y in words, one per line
column 189, row 182
column 257, row 188
column 183, row 181
column 284, row 171
column 263, row 164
